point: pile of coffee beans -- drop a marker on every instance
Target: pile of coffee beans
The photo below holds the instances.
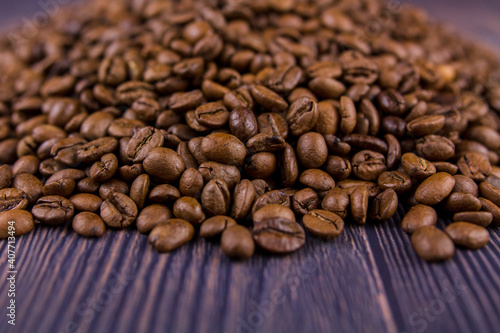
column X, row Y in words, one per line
column 258, row 123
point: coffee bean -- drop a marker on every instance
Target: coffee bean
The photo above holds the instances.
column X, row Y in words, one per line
column 15, row 223
column 26, row 164
column 164, row 193
column 88, row 224
column 139, row 190
column 359, row 204
column 490, row 207
column 392, row 102
column 417, row 167
column 323, row 224
column 5, row 176
column 317, row 179
column 261, row 165
column 447, row 167
column 272, row 211
column 164, row 164
column 279, row 235
column 459, row 202
column 280, row 197
column 216, row 197
column 63, row 187
column 384, row 206
column 368, row 165
column 312, row 150
column 104, row 169
column 482, row 219
column 305, row 200
column 142, row 143
column 273, row 123
column 425, row 125
column 215, row 226
column 475, row 166
column 328, row 119
column 302, row 116
column 393, row 150
column 151, row 216
column 189, row 209
column 265, row 142
column 435, row 148
column 213, row 170
column 469, row 235
column 464, row 184
column 112, row 186
column 86, row 202
column 170, row 235
column 53, row 210
column 212, row 115
column 435, row 189
column 288, row 166
column 94, row 150
column 191, row 183
column 243, row 123
column 118, row 211
column 399, row 181
column 244, row 197
column 432, row 244
column 223, row 148
column 418, row 216
column 30, row 185
column 336, row 201
column 237, row 242
column 338, row 167
column 268, row 99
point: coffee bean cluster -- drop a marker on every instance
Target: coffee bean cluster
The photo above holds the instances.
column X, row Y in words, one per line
column 258, row 123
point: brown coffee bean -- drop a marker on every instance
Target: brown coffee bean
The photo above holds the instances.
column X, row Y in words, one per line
column 418, row 216
column 265, row 142
column 88, row 224
column 432, row 244
column 459, row 202
column 228, row 173
column 279, row 235
column 164, row 193
column 139, row 190
column 489, row 206
column 240, row 97
column 475, row 166
column 215, row 226
column 261, row 165
column 63, row 187
column 237, row 242
column 164, row 164
column 96, row 125
column 312, row 150
column 281, row 197
column 338, row 167
column 393, row 150
column 151, row 216
column 435, row 189
column 26, row 164
column 384, row 206
column 272, row 211
column 305, row 200
column 482, row 219
column 30, row 185
column 223, row 148
column 450, row 168
column 359, row 204
column 392, row 102
column 417, row 167
column 104, row 169
column 146, row 109
column 323, row 224
column 15, row 223
column 347, row 115
column 212, row 115
column 5, row 176
column 118, row 211
column 399, row 181
column 130, row 91
column 327, row 87
column 143, row 142
column 336, row 201
column 288, row 166
column 328, row 119
column 243, row 199
column 191, row 183
column 87, row 185
column 468, row 235
column 170, row 235
column 268, row 99
column 113, row 185
column 273, row 123
column 86, row 202
column 216, row 198
column 284, row 79
column 368, row 165
column 243, row 123
column 189, row 209
column 53, row 210
column 317, row 180
column 302, row 116
column 464, row 184
column 435, row 148
column 425, row 125
column 11, row 198
column 94, row 150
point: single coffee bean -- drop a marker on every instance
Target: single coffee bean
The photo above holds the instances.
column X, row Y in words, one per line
column 112, row 186
column 392, row 102
column 425, row 125
column 273, row 123
column 261, row 186
column 393, row 150
column 279, row 235
column 139, row 190
column 366, row 142
column 191, row 183
column 328, row 119
column 30, row 185
column 475, row 166
column 464, row 184
column 189, row 209
column 418, row 216
column 399, row 181
column 237, row 242
column 312, row 150
column 118, row 211
column 384, row 206
column 435, row 189
column 305, row 200
column 417, row 167
column 223, row 148
column 53, row 210
column 63, row 187
column 164, row 164
column 280, row 197
column 336, row 201
column 349, row 185
column 143, row 142
column 432, row 244
column 471, row 236
column 368, row 165
column 151, row 216
column 447, row 167
column 347, row 115
column 104, row 169
column 212, row 115
column 94, row 150
column 86, row 202
column 338, row 167
column 170, row 235
column 265, row 142
column 302, row 116
column 459, row 202
column 317, row 180
column 25, row 164
column 272, row 211
column 244, row 197
column 288, row 166
column 261, row 165
column 268, row 99
column 164, row 193
column 87, row 185
column 213, row 170
column 216, row 197
column 88, row 224
column 435, row 148
column 482, row 219
column 490, row 207
column 15, row 223
column 5, row 176
column 359, row 204
column 215, row 226
column 243, row 123
column 323, row 224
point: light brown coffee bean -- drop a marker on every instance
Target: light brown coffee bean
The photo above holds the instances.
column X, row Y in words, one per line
column 418, row 216
column 312, row 150
column 272, row 211
column 359, row 204
column 384, row 206
column 323, row 224
column 88, row 224
column 482, row 219
column 435, row 189
column 189, row 209
column 223, row 148
column 279, row 235
column 215, row 226
column 164, row 164
column 216, row 198
column 417, row 167
column 170, row 235
column 151, row 216
column 14, row 223
column 237, row 242
column 118, row 211
column 468, row 235
column 305, row 200
column 53, row 210
column 432, row 244
column 86, row 202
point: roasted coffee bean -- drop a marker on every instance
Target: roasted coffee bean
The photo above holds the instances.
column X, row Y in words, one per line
column 338, row 167
column 30, row 185
column 268, row 99
column 273, row 123
column 279, row 235
column 464, row 184
column 170, row 235
column 243, row 123
column 261, row 165
column 216, row 198
column 288, row 166
column 87, row 185
column 327, row 87
column 447, row 167
column 86, row 202
column 323, row 224
column 392, row 102
column 189, row 209
column 432, row 244
column 5, row 176
column 164, row 164
column 265, row 142
column 435, row 148
column 328, row 119
column 139, row 190
column 399, row 181
column 312, row 150
column 94, row 150
column 284, row 78
column 88, row 224
column 347, row 115
column 223, row 148
column 151, row 216
column 228, row 173
column 384, row 206
column 305, row 200
column 302, row 116
column 368, row 165
column 489, row 206
column 417, row 167
column 359, row 204
column 240, row 97
column 53, row 210
column 468, row 235
column 26, row 164
column 425, row 125
column 212, row 115
column 118, row 211
column 63, row 187
column 482, row 219
column 164, row 193
column 435, row 189
column 272, row 211
column 243, row 199
column 418, row 216
column 191, row 183
column 237, row 242
column 14, row 223
column 104, row 169
column 459, row 202
column 215, row 226
column 107, row 189
column 317, row 180
column 142, row 143
column 336, row 201
column 350, row 185
column 96, row 125
column 475, row 166
column 393, row 150
column 281, row 197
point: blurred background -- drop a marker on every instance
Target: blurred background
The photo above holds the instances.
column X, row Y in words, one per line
column 476, row 19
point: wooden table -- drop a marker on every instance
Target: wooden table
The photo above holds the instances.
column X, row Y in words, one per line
column 368, row 280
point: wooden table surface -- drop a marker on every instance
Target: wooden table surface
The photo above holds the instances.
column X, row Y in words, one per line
column 368, row 280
